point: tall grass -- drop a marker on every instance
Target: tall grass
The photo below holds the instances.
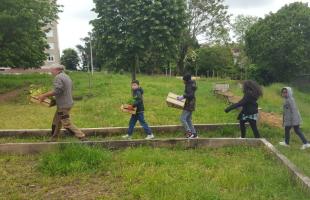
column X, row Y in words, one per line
column 74, row 159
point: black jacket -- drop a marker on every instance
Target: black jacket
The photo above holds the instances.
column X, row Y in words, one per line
column 189, row 95
column 248, row 103
column 138, row 99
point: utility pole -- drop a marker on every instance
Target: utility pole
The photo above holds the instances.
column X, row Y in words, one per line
column 91, row 55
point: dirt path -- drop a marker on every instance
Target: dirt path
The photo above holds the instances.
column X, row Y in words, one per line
column 11, row 95
column 272, row 119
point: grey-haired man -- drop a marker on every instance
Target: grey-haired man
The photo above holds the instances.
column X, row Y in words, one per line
column 63, row 95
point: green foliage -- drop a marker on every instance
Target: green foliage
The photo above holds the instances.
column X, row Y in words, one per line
column 74, row 159
column 22, row 31
column 217, row 58
column 207, row 18
column 126, row 31
column 70, row 59
column 279, row 44
column 241, row 25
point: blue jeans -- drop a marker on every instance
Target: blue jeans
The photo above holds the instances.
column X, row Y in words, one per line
column 133, row 120
column 186, row 119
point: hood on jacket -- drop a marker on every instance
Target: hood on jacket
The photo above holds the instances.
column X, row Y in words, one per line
column 289, row 92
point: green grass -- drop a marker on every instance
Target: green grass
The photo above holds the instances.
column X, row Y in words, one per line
column 145, row 173
column 109, row 92
column 11, row 82
column 74, row 159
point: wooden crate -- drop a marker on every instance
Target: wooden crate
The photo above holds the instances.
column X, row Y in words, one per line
column 125, row 108
column 46, row 102
column 173, row 102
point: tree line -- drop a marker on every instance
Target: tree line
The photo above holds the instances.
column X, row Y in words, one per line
column 166, row 36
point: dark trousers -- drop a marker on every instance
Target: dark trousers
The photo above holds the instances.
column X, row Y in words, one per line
column 297, row 131
column 133, row 120
column 253, row 126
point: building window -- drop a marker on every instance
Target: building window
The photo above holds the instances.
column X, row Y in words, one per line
column 50, row 33
column 51, row 45
column 50, row 58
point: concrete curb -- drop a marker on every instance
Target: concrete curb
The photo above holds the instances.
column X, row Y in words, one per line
column 296, row 173
column 33, row 148
column 112, row 131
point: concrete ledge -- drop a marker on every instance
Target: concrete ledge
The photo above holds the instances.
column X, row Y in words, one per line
column 296, row 173
column 112, row 131
column 32, row 148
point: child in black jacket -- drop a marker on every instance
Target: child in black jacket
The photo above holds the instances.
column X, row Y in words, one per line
column 137, row 94
column 249, row 113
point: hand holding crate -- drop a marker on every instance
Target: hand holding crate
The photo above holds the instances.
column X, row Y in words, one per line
column 173, row 101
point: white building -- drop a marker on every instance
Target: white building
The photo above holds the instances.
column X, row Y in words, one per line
column 52, row 40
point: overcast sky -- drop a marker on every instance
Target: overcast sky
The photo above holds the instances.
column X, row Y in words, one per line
column 74, row 20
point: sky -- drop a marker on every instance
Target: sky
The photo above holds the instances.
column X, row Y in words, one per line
column 73, row 23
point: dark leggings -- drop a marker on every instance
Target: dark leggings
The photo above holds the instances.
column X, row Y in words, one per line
column 253, row 126
column 297, row 131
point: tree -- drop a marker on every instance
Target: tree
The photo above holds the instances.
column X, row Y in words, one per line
column 205, row 17
column 70, row 59
column 217, row 58
column 127, row 30
column 84, row 53
column 22, row 31
column 241, row 25
column 279, row 45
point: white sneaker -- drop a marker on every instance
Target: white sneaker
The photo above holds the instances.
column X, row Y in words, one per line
column 304, row 146
column 126, row 137
column 149, row 137
column 284, row 144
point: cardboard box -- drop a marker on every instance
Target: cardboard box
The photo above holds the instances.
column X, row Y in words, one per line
column 173, row 102
column 127, row 109
column 46, row 102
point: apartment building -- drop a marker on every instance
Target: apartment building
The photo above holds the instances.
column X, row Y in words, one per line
column 52, row 40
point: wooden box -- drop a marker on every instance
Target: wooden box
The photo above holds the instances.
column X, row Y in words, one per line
column 46, row 102
column 173, row 102
column 127, row 109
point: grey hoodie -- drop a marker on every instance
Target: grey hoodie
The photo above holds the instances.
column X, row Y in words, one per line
column 291, row 115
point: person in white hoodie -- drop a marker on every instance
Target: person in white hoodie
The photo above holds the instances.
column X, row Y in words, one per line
column 291, row 118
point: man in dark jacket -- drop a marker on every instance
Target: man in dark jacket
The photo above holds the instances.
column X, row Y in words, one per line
column 189, row 107
column 137, row 94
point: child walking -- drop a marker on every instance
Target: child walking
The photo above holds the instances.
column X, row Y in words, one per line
column 291, row 118
column 190, row 103
column 137, row 93
column 249, row 113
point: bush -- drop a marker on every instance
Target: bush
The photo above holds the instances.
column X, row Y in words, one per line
column 74, row 159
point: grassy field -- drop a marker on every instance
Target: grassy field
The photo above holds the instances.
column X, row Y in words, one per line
column 144, row 173
column 109, row 91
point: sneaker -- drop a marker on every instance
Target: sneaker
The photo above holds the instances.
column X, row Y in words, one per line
column 193, row 136
column 149, row 137
column 126, row 137
column 188, row 134
column 305, row 146
column 283, row 144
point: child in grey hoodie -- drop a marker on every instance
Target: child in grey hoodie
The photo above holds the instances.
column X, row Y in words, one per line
column 291, row 118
